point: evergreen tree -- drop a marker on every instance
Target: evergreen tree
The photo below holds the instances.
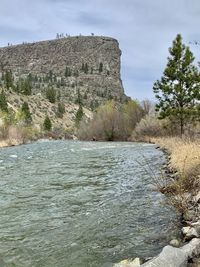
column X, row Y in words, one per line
column 86, row 69
column 50, row 75
column 58, row 95
column 62, row 81
column 68, row 72
column 47, row 124
column 30, row 77
column 51, row 94
column 17, row 87
column 27, row 114
column 79, row 115
column 26, row 87
column 79, row 98
column 100, row 67
column 76, row 73
column 61, row 110
column 3, row 102
column 178, row 90
column 8, row 78
column 82, row 67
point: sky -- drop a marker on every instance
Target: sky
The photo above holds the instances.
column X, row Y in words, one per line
column 144, row 29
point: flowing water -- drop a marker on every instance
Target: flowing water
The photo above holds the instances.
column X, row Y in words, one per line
column 80, row 204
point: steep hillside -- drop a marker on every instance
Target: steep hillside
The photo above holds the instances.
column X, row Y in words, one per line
column 40, row 107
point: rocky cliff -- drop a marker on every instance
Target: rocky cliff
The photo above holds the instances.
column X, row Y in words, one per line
column 86, row 67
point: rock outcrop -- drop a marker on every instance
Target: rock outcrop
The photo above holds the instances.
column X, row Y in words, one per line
column 84, row 66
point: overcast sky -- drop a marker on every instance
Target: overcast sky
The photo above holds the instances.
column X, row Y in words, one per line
column 144, row 28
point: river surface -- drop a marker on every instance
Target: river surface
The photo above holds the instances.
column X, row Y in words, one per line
column 80, row 204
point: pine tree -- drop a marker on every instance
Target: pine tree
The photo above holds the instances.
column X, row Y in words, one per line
column 51, row 94
column 27, row 114
column 26, row 87
column 58, row 95
column 82, row 67
column 68, row 72
column 3, row 102
column 86, row 69
column 79, row 98
column 178, row 90
column 100, row 67
column 47, row 124
column 79, row 115
column 61, row 110
column 8, row 78
column 76, row 73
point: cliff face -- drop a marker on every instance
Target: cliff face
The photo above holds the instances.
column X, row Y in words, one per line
column 87, row 66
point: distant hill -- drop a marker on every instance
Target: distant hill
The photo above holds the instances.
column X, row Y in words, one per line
column 82, row 68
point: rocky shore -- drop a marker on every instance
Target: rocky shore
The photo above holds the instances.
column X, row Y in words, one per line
column 179, row 253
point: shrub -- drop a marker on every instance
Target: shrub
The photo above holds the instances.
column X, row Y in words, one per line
column 133, row 113
column 149, row 126
column 107, row 124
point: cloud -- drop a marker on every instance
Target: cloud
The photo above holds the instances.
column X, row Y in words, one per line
column 145, row 29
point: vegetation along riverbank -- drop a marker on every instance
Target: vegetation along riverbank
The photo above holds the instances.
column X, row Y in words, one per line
column 175, row 130
column 39, row 105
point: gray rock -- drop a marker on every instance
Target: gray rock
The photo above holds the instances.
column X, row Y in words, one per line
column 190, row 215
column 197, row 198
column 169, row 257
column 175, row 257
column 55, row 55
column 189, row 232
column 128, row 263
column 174, row 243
column 192, row 249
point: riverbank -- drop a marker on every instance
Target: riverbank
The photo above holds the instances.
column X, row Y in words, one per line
column 9, row 143
column 181, row 185
column 91, row 192
column 183, row 190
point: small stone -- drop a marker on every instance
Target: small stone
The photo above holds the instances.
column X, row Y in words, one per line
column 190, row 215
column 128, row 263
column 197, row 198
column 189, row 232
column 174, row 243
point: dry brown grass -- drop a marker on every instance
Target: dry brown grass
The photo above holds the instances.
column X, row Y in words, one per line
column 185, row 159
column 16, row 135
column 184, row 154
column 4, row 143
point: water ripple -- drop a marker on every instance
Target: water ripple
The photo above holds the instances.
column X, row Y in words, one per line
column 69, row 204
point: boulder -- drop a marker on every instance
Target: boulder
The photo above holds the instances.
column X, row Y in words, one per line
column 175, row 257
column 192, row 249
column 189, row 232
column 169, row 257
column 197, row 198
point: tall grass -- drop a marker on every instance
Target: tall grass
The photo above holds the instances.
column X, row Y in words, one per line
column 15, row 135
column 184, row 154
column 185, row 160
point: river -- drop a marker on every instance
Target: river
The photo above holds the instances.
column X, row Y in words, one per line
column 80, row 204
